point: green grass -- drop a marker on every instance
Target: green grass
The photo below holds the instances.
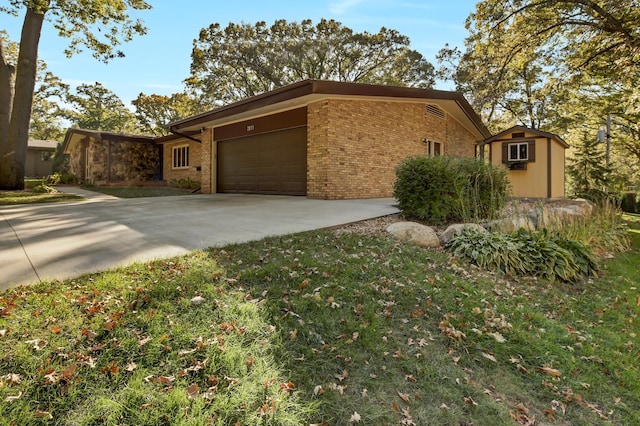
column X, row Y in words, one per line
column 322, row 328
column 24, row 197
column 143, row 191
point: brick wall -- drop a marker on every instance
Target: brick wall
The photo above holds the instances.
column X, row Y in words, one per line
column 207, row 168
column 355, row 146
column 193, row 172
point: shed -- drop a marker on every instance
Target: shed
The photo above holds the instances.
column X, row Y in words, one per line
column 325, row 139
column 39, row 157
column 104, row 157
column 535, row 161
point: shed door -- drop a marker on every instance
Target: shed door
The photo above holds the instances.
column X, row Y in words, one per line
column 269, row 163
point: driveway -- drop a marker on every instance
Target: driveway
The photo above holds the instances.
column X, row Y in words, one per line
column 64, row 240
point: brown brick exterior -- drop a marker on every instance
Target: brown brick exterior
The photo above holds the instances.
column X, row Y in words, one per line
column 207, row 167
column 196, row 160
column 354, row 146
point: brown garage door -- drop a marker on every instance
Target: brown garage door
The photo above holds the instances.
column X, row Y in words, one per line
column 270, row 163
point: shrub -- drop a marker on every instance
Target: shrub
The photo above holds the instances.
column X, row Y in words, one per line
column 44, row 189
column 62, row 178
column 184, row 183
column 443, row 189
column 526, row 253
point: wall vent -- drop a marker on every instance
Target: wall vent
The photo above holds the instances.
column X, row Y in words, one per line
column 434, row 110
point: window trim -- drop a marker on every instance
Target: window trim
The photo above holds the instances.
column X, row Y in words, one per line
column 180, row 162
column 431, row 148
column 517, row 145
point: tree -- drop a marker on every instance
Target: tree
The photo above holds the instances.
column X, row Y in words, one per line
column 155, row 111
column 588, row 170
column 243, row 60
column 555, row 64
column 97, row 108
column 46, row 114
column 77, row 20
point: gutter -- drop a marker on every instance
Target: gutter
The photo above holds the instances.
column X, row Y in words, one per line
column 175, row 132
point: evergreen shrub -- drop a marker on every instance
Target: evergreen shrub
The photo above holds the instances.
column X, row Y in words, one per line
column 443, row 189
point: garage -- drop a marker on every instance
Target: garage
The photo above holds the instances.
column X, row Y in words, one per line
column 269, row 163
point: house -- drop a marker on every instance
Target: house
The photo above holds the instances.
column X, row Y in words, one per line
column 182, row 159
column 103, row 157
column 535, row 161
column 322, row 139
column 39, row 158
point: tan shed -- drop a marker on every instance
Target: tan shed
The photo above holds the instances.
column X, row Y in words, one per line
column 535, row 160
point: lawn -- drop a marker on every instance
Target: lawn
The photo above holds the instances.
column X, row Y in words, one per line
column 142, row 191
column 26, row 197
column 324, row 328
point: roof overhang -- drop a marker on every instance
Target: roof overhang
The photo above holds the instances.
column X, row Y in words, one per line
column 504, row 135
column 305, row 92
column 75, row 135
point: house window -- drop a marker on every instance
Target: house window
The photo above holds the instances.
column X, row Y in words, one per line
column 46, row 156
column 180, row 157
column 434, row 148
column 519, row 151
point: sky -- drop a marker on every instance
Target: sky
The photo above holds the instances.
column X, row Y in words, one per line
column 159, row 61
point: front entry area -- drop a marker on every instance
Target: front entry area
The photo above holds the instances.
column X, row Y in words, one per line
column 270, row 163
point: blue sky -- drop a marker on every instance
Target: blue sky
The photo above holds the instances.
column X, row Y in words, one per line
column 159, row 61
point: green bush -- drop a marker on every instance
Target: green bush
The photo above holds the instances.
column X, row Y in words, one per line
column 444, row 189
column 62, row 178
column 184, row 183
column 526, row 253
column 43, row 189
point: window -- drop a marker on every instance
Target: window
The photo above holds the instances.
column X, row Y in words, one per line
column 434, row 149
column 46, row 156
column 519, row 151
column 180, row 157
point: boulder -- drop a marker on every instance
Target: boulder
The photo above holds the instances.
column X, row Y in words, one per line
column 511, row 224
column 457, row 228
column 414, row 233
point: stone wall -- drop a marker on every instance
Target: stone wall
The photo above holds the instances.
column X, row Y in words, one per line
column 113, row 161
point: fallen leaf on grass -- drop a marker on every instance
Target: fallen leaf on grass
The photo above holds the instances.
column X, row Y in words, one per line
column 549, row 371
column 43, row 414
column 13, row 398
column 489, row 357
column 355, row 417
column 131, row 366
column 499, row 337
column 12, row 378
column 193, row 390
column 404, row 397
column 38, row 344
column 469, row 400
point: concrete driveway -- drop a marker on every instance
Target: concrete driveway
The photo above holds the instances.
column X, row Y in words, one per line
column 64, row 240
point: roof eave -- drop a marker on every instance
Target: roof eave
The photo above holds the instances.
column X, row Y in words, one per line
column 331, row 88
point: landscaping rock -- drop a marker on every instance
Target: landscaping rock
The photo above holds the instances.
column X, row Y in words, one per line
column 197, row 300
column 457, row 228
column 511, row 224
column 414, row 233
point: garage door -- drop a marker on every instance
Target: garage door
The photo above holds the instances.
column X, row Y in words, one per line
column 270, row 163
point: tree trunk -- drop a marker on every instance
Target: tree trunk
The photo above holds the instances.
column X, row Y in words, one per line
column 13, row 143
column 7, row 74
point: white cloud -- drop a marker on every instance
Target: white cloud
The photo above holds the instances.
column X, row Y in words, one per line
column 343, row 6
